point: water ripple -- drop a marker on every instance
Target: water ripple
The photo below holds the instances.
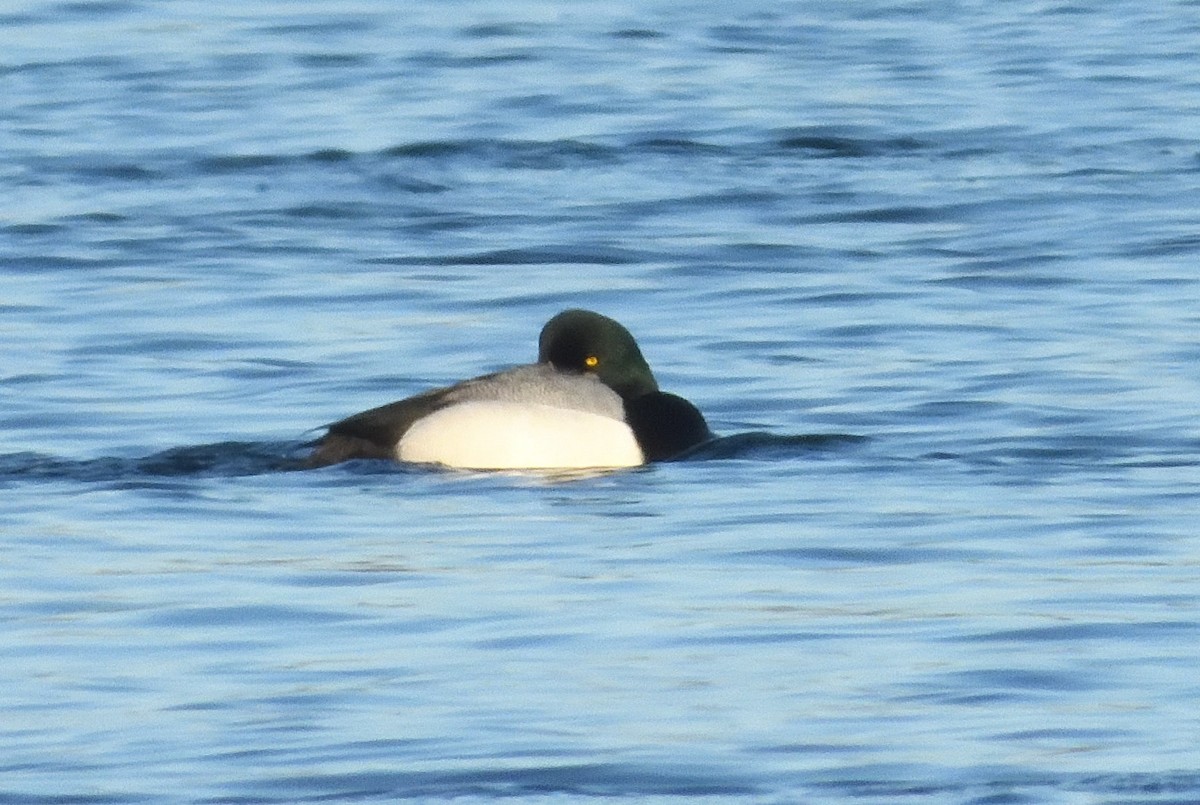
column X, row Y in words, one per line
column 588, row 780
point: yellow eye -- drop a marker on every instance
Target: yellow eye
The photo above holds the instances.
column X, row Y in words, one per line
column 591, row 361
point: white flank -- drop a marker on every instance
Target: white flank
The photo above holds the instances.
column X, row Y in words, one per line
column 498, row 435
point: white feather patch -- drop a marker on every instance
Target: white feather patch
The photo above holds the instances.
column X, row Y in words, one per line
column 501, row 435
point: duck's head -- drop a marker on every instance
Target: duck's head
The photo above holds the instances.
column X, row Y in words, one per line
column 588, row 343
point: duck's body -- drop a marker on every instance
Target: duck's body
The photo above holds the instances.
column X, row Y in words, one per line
column 590, row 402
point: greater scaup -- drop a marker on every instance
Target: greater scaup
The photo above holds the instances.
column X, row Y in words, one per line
column 589, row 402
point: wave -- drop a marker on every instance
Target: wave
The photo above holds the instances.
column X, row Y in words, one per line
column 239, row 459
column 220, row 460
column 1013, row 459
column 637, row 148
column 762, row 446
column 582, row 780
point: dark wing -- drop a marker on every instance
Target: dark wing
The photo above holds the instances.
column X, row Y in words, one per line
column 374, row 433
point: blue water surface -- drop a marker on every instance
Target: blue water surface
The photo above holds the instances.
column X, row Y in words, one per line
column 929, row 269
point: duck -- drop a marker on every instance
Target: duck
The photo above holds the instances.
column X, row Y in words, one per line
column 589, row 402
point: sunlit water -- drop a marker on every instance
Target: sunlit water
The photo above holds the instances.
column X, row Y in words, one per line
column 929, row 270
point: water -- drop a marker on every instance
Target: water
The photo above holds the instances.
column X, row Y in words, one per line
column 929, row 268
